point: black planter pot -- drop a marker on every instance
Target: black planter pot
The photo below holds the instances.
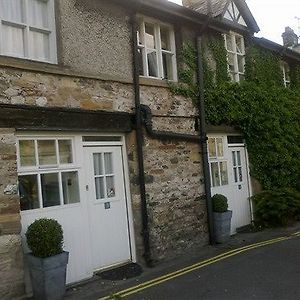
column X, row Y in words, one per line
column 48, row 276
column 222, row 223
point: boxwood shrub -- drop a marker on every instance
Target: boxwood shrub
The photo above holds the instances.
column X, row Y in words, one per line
column 45, row 238
column 219, row 203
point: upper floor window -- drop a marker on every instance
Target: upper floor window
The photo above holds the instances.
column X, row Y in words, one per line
column 156, row 46
column 286, row 74
column 235, row 47
column 27, row 29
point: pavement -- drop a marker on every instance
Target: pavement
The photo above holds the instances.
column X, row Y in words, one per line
column 259, row 265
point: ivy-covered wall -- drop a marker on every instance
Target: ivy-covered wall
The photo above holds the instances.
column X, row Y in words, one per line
column 260, row 107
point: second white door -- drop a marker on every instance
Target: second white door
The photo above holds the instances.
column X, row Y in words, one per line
column 107, row 207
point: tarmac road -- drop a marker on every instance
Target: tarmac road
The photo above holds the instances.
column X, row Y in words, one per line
column 270, row 272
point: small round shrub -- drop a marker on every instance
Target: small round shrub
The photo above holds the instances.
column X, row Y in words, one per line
column 219, row 203
column 45, row 238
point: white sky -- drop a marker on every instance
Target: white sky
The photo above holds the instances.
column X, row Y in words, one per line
column 272, row 16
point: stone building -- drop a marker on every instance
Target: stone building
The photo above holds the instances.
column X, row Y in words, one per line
column 91, row 135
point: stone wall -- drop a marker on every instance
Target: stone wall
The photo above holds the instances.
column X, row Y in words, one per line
column 174, row 179
column 94, row 37
column 11, row 257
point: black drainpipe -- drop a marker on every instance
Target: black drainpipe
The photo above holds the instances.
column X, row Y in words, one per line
column 203, row 134
column 203, row 138
column 139, row 141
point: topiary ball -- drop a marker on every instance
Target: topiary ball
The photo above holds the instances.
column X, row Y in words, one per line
column 45, row 238
column 219, row 203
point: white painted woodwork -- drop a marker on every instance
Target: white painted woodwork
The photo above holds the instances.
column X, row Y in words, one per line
column 110, row 243
column 238, row 189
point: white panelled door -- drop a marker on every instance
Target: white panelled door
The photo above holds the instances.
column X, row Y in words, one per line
column 110, row 243
column 229, row 177
column 240, row 188
column 83, row 188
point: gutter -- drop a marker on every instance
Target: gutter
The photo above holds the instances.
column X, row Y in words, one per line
column 139, row 141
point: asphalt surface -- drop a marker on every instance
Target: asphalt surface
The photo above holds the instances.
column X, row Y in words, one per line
column 269, row 272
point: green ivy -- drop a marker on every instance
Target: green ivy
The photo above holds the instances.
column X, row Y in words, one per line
column 261, row 108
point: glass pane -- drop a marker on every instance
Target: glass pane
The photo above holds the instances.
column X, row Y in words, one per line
column 65, row 151
column 231, row 62
column 152, row 63
column 238, row 154
column 167, row 66
column 220, row 147
column 212, row 147
column 39, row 45
column 229, row 45
column 241, row 77
column 11, row 10
column 98, row 166
column 224, row 173
column 47, row 152
column 150, row 36
column 215, row 174
column 235, row 174
column 28, row 189
column 239, row 45
column 70, row 187
column 27, row 153
column 165, row 39
column 99, row 184
column 233, row 158
column 38, row 13
column 14, row 41
column 141, row 65
column 108, row 162
column 240, row 174
column 50, row 189
column 241, row 63
column 110, row 186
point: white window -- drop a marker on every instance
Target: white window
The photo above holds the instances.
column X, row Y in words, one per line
column 47, row 172
column 217, row 162
column 27, row 29
column 156, row 46
column 286, row 74
column 235, row 47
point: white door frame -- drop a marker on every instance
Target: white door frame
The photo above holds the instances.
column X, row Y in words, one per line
column 79, row 152
column 122, row 143
column 226, row 149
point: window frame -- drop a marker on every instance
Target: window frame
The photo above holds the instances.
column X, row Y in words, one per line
column 235, row 75
column 218, row 159
column 58, row 168
column 141, row 45
column 285, row 68
column 27, row 27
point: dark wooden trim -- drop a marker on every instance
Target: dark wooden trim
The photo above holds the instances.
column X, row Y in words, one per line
column 24, row 117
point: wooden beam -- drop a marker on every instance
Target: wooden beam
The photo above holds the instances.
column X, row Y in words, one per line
column 24, row 117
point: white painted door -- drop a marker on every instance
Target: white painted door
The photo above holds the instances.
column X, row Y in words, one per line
column 108, row 213
column 49, row 186
column 229, row 177
column 240, row 187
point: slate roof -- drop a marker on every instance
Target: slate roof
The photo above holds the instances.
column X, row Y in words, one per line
column 218, row 8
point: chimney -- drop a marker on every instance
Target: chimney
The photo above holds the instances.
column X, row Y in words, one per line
column 290, row 38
